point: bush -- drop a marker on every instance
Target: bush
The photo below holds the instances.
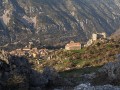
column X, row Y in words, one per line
column 17, row 81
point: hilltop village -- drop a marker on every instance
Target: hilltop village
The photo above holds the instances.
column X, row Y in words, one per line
column 34, row 52
column 95, row 37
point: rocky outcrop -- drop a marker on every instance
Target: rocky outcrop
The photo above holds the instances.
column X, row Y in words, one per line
column 109, row 74
column 89, row 87
column 4, row 57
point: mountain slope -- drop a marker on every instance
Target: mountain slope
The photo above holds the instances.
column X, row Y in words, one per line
column 53, row 22
column 116, row 35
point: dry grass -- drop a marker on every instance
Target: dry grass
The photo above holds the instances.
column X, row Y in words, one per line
column 95, row 55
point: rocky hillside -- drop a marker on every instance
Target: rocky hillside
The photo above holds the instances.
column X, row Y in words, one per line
column 116, row 35
column 17, row 73
column 95, row 55
column 53, row 22
column 72, row 68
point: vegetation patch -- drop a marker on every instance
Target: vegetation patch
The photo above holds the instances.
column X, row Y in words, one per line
column 79, row 51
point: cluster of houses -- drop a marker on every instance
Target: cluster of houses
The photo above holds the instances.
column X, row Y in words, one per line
column 38, row 53
column 77, row 45
column 30, row 52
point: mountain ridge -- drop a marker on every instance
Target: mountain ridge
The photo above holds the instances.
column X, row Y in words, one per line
column 53, row 23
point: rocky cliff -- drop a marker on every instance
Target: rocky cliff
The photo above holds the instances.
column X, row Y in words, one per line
column 53, row 22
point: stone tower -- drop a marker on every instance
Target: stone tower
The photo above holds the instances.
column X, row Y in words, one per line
column 94, row 37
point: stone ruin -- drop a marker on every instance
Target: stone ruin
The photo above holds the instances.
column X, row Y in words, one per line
column 95, row 37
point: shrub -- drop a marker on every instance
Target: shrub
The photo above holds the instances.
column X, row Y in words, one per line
column 15, row 81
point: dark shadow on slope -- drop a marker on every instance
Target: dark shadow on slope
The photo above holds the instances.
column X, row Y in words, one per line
column 17, row 7
column 78, row 76
column 17, row 73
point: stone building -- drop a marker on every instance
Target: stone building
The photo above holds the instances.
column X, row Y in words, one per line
column 26, row 49
column 73, row 46
column 95, row 37
column 43, row 52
